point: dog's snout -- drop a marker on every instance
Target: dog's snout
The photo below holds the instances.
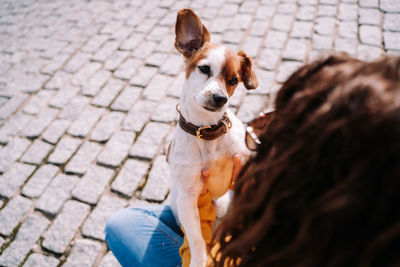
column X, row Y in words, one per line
column 219, row 100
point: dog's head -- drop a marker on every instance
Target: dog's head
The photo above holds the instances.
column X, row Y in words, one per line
column 212, row 71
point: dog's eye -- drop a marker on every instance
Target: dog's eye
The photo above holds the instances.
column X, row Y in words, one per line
column 205, row 69
column 233, row 81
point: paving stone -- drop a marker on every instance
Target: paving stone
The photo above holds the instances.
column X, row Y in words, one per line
column 96, row 222
column 74, row 108
column 127, row 98
column 58, row 80
column 348, row 29
column 172, row 65
column 95, row 83
column 38, row 101
column 16, row 123
column 107, row 125
column 275, row 39
column 37, row 126
column 301, row 29
column 326, row 11
column 391, row 40
column 219, row 25
column 132, row 42
column 252, row 45
column 130, row 177
column 346, row 45
column 55, row 64
column 240, row 22
column 370, row 35
column 322, row 42
column 368, row 3
column 84, row 253
column 391, row 22
column 390, row 5
column 166, row 111
column 12, row 213
column 41, row 260
column 116, row 149
column 282, row 22
column 348, row 11
column 12, row 151
column 115, row 60
column 64, row 150
column 157, row 88
column 251, row 106
column 232, row 37
column 15, row 176
column 95, row 43
column 265, row 82
column 286, row 69
column 369, row 53
column 36, row 152
column 176, row 86
column 77, row 61
column 306, row 13
column 83, row 75
column 83, row 158
column 85, row 122
column 156, row 59
column 144, row 50
column 63, row 96
column 65, row 226
column 295, row 50
column 108, row 93
column 146, row 25
column 107, row 50
column 39, row 181
column 325, row 25
column 150, row 140
column 27, row 236
column 258, row 27
column 369, row 16
column 92, row 184
column 269, row 59
column 54, row 132
column 127, row 69
column 158, row 183
column 56, row 193
column 12, row 105
column 109, row 260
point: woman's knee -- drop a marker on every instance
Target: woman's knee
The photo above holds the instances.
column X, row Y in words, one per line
column 123, row 218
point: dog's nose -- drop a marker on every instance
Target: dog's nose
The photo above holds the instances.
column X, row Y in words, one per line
column 220, row 100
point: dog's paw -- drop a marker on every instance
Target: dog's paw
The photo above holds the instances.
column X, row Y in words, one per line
column 198, row 263
column 222, row 204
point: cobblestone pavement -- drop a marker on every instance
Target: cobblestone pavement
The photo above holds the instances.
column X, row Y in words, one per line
column 87, row 102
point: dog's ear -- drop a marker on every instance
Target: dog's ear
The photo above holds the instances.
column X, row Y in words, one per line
column 247, row 73
column 190, row 33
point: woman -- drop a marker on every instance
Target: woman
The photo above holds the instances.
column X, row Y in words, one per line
column 324, row 187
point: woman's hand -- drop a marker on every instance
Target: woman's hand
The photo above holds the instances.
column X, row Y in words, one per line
column 237, row 166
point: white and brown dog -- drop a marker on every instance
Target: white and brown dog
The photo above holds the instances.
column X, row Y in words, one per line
column 208, row 134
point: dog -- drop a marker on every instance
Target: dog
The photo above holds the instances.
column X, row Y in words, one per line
column 208, row 134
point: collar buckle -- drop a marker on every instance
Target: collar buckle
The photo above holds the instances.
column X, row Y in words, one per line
column 198, row 132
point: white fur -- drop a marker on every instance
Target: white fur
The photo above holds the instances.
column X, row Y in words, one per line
column 189, row 155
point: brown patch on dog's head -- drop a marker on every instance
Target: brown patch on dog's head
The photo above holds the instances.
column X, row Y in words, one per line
column 190, row 33
column 230, row 74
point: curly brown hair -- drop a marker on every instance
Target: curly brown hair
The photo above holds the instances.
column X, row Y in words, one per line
column 324, row 186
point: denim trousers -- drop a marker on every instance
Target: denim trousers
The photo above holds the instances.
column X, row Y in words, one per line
column 146, row 236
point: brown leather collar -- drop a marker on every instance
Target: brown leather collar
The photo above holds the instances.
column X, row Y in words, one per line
column 210, row 132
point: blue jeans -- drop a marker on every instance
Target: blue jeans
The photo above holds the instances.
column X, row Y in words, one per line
column 145, row 236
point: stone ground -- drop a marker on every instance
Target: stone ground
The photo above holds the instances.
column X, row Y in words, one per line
column 87, row 102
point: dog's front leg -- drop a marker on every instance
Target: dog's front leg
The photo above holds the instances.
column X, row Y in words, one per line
column 188, row 214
